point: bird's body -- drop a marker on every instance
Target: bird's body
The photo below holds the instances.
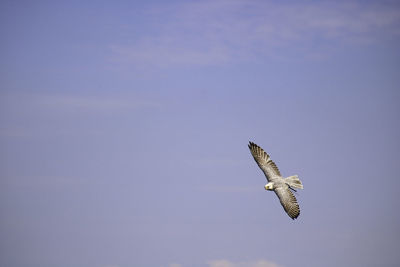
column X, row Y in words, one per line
column 280, row 185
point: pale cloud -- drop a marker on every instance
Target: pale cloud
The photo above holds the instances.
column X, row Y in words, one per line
column 231, row 189
column 74, row 102
column 212, row 162
column 51, row 180
column 175, row 265
column 53, row 108
column 227, row 263
column 221, row 32
column 93, row 103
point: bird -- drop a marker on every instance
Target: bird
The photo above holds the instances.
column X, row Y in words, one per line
column 281, row 186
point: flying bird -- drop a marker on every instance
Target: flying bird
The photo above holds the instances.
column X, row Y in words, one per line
column 281, row 186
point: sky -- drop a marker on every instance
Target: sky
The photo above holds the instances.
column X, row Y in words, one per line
column 124, row 128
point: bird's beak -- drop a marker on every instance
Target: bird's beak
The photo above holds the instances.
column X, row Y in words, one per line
column 266, row 187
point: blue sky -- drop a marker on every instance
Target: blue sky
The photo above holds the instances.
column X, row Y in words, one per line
column 124, row 130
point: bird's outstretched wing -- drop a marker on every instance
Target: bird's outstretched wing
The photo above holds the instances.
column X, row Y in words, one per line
column 288, row 201
column 264, row 162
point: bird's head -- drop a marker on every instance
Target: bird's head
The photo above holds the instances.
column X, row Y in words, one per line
column 269, row 186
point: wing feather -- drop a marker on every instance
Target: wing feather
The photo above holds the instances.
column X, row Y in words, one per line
column 288, row 201
column 264, row 162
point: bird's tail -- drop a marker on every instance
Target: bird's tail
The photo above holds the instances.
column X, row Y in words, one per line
column 294, row 182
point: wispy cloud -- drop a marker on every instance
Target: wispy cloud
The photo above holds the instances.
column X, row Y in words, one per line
column 92, row 103
column 213, row 161
column 227, row 263
column 220, row 32
column 31, row 181
column 74, row 102
column 230, row 189
column 40, row 113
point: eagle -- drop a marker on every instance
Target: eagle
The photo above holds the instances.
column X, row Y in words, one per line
column 281, row 186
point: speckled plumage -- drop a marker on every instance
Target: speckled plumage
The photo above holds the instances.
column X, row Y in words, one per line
column 281, row 186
